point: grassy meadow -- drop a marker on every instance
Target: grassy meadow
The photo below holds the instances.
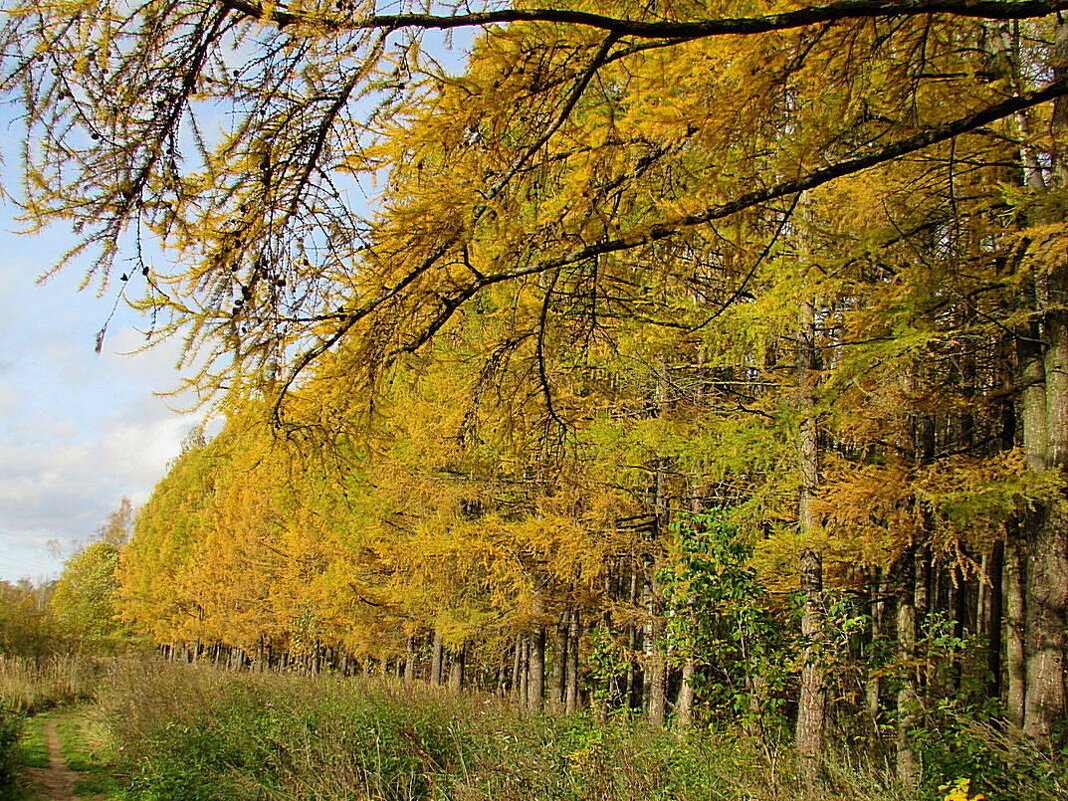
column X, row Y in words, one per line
column 140, row 730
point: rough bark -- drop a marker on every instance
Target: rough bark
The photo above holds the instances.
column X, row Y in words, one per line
column 516, row 686
column 907, row 763
column 684, row 701
column 655, row 659
column 409, row 662
column 873, row 687
column 572, row 677
column 812, row 703
column 457, row 664
column 1044, row 401
column 812, row 706
column 1047, row 601
column 436, row 660
column 994, row 617
column 558, row 683
column 524, row 669
column 634, row 680
column 536, row 671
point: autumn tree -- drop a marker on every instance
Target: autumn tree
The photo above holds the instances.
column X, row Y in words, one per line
column 85, row 597
column 799, row 265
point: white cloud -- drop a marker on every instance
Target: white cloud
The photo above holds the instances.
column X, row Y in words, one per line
column 61, row 474
column 63, row 489
column 78, row 430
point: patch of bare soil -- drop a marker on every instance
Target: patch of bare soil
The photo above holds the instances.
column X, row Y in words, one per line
column 56, row 782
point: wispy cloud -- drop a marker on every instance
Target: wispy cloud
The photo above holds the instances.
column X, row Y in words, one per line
column 78, row 431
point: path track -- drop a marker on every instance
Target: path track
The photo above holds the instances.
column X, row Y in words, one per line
column 57, row 780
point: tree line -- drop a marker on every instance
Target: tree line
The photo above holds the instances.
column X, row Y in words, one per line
column 689, row 360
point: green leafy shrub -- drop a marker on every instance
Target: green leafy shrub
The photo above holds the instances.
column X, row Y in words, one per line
column 10, row 725
column 1003, row 761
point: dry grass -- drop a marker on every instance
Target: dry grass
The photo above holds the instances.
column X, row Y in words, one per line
column 32, row 685
column 204, row 735
column 196, row 733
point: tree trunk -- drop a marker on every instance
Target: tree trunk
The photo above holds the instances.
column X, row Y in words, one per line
column 634, row 678
column 873, row 686
column 924, row 578
column 456, row 668
column 558, row 684
column 1047, row 601
column 655, row 684
column 907, row 764
column 574, row 635
column 517, row 672
column 436, row 660
column 684, row 701
column 812, row 703
column 995, row 612
column 524, row 670
column 409, row 662
column 1044, row 400
column 536, row 670
column 811, row 708
column 959, row 595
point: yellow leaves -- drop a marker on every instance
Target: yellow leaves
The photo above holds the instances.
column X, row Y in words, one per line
column 483, row 480
column 869, row 512
column 972, row 499
column 1044, row 247
column 960, row 790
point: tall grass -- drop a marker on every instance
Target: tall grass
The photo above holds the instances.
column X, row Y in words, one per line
column 196, row 733
column 201, row 735
column 30, row 685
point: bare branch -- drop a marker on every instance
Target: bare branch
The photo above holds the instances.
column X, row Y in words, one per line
column 666, row 29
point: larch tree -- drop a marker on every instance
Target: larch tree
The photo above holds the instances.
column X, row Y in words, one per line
column 587, row 212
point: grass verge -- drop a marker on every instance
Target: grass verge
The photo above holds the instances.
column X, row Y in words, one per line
column 202, row 735
column 88, row 750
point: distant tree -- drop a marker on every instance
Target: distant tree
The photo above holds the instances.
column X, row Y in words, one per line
column 84, row 600
column 119, row 526
column 26, row 628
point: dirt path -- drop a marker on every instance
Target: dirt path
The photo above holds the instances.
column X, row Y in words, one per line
column 57, row 780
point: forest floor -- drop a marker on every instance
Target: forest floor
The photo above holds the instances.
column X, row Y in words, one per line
column 66, row 758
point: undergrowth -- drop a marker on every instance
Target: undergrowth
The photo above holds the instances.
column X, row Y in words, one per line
column 163, row 732
column 10, row 726
column 201, row 735
column 29, row 685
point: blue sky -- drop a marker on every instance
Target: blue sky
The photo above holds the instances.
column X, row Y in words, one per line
column 78, row 431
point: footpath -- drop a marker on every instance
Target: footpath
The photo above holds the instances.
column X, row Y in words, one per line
column 64, row 759
column 55, row 782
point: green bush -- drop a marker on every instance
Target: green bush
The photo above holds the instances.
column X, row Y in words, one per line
column 10, row 725
column 1000, row 761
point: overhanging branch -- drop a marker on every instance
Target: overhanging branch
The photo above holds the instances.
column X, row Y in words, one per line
column 665, row 29
column 903, row 147
column 667, row 229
